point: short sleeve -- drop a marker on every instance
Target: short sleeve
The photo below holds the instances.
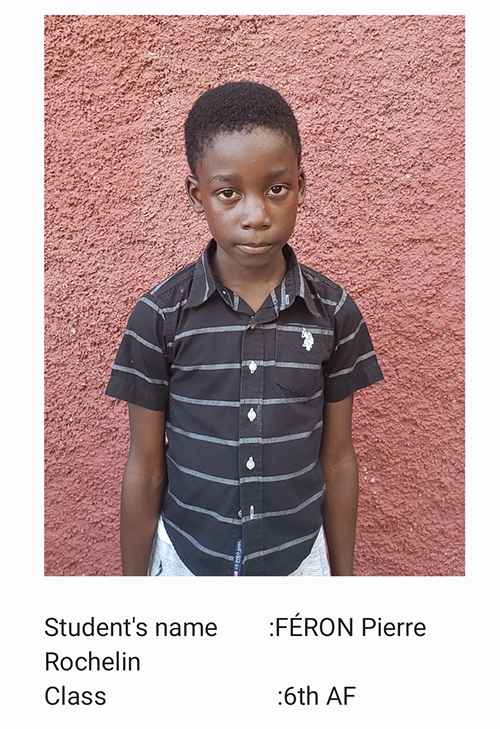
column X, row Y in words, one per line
column 353, row 364
column 140, row 373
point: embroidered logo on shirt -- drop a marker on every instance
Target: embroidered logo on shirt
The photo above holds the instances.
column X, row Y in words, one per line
column 308, row 339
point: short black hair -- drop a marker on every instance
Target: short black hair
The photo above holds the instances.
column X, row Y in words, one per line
column 236, row 107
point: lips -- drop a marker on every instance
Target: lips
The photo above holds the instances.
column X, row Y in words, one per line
column 254, row 248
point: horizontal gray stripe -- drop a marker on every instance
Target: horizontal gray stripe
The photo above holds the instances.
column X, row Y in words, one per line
column 210, row 330
column 280, row 547
column 285, row 512
column 293, row 365
column 131, row 371
column 300, row 327
column 197, row 544
column 171, row 309
column 273, row 363
column 244, row 441
column 281, row 438
column 215, row 403
column 281, row 477
column 152, row 305
column 245, row 401
column 350, row 336
column 280, row 400
column 204, row 476
column 229, row 520
column 212, row 367
column 143, row 341
column 297, row 328
column 207, row 512
column 237, row 366
column 246, row 479
column 198, row 436
column 328, row 302
column 350, row 369
column 299, row 365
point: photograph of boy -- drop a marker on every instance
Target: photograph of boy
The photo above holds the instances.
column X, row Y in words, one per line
column 254, row 216
column 250, row 361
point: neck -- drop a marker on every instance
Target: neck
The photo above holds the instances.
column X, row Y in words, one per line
column 252, row 284
column 235, row 276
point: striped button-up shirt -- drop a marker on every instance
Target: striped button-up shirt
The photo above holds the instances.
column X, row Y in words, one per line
column 243, row 395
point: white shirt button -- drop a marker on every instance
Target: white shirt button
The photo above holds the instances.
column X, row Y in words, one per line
column 252, row 367
column 251, row 415
column 250, row 463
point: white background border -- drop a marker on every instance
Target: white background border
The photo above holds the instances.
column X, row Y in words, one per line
column 444, row 679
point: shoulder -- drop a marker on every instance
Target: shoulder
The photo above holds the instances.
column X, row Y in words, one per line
column 332, row 300
column 328, row 294
column 154, row 309
column 321, row 284
column 173, row 290
column 170, row 294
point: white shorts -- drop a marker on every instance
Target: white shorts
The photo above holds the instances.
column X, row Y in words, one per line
column 165, row 562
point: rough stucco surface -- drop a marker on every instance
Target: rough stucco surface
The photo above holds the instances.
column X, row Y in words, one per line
column 380, row 105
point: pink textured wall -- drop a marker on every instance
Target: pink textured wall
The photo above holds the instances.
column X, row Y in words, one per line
column 380, row 105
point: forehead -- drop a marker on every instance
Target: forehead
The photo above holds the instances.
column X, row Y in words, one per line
column 257, row 149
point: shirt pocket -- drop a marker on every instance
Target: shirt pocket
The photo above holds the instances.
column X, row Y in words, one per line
column 300, row 355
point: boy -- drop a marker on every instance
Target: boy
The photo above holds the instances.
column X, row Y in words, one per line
column 249, row 361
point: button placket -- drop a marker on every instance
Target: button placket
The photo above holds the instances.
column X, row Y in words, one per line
column 250, row 454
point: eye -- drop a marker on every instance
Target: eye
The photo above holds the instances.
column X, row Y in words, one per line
column 278, row 190
column 227, row 195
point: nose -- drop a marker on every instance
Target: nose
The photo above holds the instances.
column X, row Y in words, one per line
column 255, row 214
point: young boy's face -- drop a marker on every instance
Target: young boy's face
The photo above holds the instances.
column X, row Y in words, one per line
column 249, row 186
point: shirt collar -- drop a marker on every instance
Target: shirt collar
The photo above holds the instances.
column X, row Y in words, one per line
column 292, row 286
column 203, row 278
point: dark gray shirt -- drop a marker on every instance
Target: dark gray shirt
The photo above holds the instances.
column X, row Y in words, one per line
column 243, row 396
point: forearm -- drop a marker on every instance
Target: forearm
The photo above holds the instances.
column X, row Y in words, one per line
column 340, row 508
column 142, row 494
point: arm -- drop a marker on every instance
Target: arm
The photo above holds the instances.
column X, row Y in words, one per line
column 142, row 488
column 340, row 471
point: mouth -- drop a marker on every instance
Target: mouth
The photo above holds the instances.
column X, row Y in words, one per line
column 254, row 248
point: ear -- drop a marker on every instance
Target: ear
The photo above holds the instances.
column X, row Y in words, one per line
column 302, row 186
column 194, row 193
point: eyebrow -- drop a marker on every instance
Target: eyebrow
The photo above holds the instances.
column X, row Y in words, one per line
column 224, row 178
column 236, row 178
column 277, row 173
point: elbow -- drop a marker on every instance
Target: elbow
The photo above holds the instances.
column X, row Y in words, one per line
column 143, row 476
column 333, row 461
